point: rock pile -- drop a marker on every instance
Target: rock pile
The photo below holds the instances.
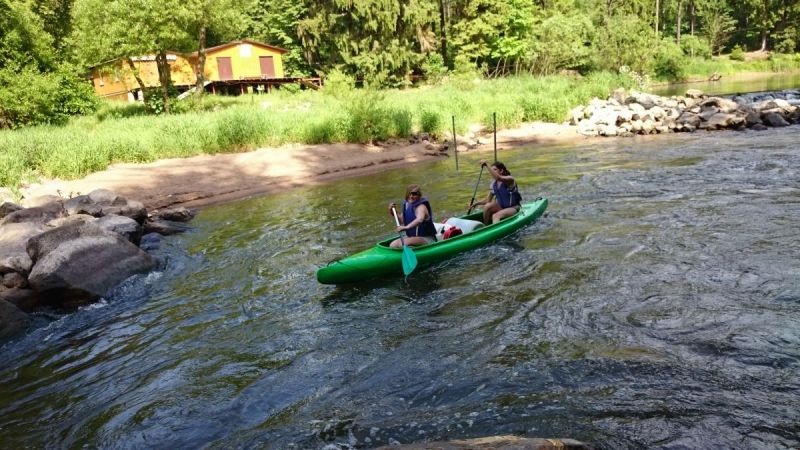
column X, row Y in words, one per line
column 66, row 252
column 627, row 114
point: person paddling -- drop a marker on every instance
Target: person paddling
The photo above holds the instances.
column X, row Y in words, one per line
column 504, row 199
column 416, row 219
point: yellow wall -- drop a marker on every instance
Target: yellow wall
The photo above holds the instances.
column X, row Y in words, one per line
column 115, row 79
column 243, row 66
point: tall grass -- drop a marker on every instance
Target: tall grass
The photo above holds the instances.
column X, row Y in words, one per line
column 723, row 65
column 122, row 134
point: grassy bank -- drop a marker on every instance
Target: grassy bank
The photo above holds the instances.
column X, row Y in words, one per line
column 90, row 144
column 701, row 68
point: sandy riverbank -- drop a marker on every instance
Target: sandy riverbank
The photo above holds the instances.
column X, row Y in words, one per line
column 208, row 179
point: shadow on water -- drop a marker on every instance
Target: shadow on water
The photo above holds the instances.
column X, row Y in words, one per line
column 654, row 306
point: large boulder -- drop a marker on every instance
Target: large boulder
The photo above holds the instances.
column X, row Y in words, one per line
column 39, row 214
column 177, row 214
column 124, row 226
column 82, row 263
column 12, row 320
column 774, row 119
column 103, row 202
column 7, row 208
column 13, row 243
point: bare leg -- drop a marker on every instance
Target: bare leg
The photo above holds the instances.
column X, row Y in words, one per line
column 503, row 213
column 411, row 241
column 488, row 212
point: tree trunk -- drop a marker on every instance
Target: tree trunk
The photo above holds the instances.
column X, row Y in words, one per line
column 765, row 25
column 164, row 77
column 678, row 25
column 657, row 4
column 692, row 18
column 443, row 31
column 201, row 62
column 135, row 73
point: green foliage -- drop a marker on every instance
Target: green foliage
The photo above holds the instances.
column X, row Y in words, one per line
column 369, row 119
column 737, row 54
column 624, row 41
column 238, row 129
column 338, row 84
column 694, row 46
column 23, row 41
column 119, row 133
column 431, row 121
column 562, row 42
column 669, row 64
column 787, row 41
column 434, row 68
column 403, row 122
column 717, row 23
column 75, row 95
column 275, row 22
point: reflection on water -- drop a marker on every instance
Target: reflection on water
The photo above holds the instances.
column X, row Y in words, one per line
column 656, row 305
column 733, row 84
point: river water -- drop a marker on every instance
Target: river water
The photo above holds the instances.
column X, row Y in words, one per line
column 656, row 305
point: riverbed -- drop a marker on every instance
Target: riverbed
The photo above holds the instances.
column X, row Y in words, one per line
column 655, row 305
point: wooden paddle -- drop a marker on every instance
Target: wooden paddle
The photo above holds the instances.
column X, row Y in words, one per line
column 409, row 258
column 475, row 192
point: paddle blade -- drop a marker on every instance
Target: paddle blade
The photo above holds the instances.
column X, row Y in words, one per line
column 409, row 260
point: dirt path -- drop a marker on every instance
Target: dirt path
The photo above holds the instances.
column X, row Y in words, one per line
column 208, row 179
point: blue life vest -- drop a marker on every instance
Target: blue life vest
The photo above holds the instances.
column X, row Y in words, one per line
column 506, row 197
column 426, row 228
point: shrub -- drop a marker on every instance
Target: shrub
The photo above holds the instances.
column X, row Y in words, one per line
column 434, row 68
column 431, row 122
column 695, row 47
column 403, row 123
column 737, row 54
column 367, row 120
column 338, row 84
column 669, row 64
column 786, row 42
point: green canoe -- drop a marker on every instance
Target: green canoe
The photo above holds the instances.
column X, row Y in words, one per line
column 380, row 260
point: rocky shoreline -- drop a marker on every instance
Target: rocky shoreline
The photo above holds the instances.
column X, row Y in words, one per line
column 635, row 113
column 66, row 252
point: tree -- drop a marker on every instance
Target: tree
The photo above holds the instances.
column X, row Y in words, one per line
column 562, row 42
column 373, row 39
column 132, row 29
column 624, row 41
column 56, row 18
column 225, row 17
column 276, row 22
column 34, row 88
column 717, row 22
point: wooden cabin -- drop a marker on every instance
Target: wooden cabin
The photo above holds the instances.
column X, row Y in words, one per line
column 235, row 68
column 243, row 60
column 115, row 80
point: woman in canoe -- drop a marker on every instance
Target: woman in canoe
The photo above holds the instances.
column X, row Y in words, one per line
column 416, row 219
column 504, row 199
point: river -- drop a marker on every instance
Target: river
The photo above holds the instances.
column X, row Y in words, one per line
column 656, row 305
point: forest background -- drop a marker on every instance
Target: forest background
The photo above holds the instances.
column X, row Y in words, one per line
column 540, row 58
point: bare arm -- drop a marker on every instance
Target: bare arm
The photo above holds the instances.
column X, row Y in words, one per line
column 422, row 215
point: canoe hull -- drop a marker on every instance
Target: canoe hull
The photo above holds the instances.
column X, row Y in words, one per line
column 382, row 261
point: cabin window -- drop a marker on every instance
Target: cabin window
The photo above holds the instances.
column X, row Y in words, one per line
column 245, row 50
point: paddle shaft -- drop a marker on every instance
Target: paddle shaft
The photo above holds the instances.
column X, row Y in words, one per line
column 475, row 192
column 397, row 221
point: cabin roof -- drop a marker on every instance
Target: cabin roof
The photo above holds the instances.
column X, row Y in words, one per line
column 243, row 41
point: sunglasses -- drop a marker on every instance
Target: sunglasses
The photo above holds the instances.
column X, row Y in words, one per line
column 417, row 193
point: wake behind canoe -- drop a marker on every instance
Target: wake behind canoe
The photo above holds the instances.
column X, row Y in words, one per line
column 381, row 260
